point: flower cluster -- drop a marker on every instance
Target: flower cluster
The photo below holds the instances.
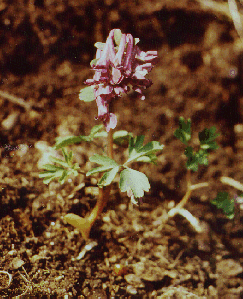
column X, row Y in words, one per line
column 119, row 64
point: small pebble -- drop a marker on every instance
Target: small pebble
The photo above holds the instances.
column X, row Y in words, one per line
column 131, row 290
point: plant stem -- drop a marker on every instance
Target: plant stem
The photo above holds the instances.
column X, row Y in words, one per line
column 186, row 197
column 110, row 144
column 104, row 192
column 85, row 224
column 179, row 207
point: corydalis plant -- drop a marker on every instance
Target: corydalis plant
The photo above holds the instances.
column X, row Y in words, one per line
column 195, row 157
column 119, row 64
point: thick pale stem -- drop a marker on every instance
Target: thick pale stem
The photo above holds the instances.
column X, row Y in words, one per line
column 103, row 198
column 85, row 224
column 104, row 192
column 179, row 207
column 186, row 197
column 110, row 144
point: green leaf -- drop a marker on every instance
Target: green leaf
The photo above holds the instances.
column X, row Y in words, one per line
column 51, row 173
column 184, row 131
column 106, row 162
column 103, row 160
column 192, row 161
column 75, row 166
column 134, row 180
column 108, row 176
column 47, row 180
column 65, row 155
column 202, row 157
column 63, row 177
column 94, row 133
column 59, row 161
column 121, row 137
column 207, row 139
column 195, row 158
column 65, row 141
column 49, row 176
column 224, row 202
column 98, row 169
column 45, row 174
column 138, row 142
column 137, row 150
column 51, row 167
column 87, row 94
column 70, row 157
column 95, row 130
column 61, row 172
column 152, row 158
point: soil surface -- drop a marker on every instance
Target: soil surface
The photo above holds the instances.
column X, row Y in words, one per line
column 134, row 251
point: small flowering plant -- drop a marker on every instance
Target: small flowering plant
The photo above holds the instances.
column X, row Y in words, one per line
column 196, row 156
column 119, row 66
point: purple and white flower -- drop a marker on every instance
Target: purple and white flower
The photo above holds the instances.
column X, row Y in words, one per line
column 119, row 65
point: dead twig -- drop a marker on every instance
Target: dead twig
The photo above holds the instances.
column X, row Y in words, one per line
column 15, row 100
column 236, row 17
column 231, row 182
column 219, row 8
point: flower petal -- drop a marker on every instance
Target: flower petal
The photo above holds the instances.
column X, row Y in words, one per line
column 129, row 57
column 108, row 54
column 111, row 122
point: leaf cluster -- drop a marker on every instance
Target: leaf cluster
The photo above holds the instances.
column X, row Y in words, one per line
column 224, row 202
column 131, row 181
column 206, row 139
column 94, row 133
column 143, row 153
column 119, row 137
column 60, row 169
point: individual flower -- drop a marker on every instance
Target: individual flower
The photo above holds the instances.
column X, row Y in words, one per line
column 119, row 64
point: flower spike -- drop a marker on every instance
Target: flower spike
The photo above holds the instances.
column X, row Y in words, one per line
column 119, row 64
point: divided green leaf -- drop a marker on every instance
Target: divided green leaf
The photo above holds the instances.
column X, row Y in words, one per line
column 207, row 139
column 105, row 162
column 224, row 202
column 184, row 131
column 122, row 137
column 94, row 133
column 61, row 170
column 140, row 152
column 65, row 141
column 207, row 142
column 134, row 180
column 87, row 94
column 108, row 176
column 195, row 158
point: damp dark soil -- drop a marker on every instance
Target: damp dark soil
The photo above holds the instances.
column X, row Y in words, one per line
column 45, row 50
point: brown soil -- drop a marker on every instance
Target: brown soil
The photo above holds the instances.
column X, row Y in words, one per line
column 45, row 51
